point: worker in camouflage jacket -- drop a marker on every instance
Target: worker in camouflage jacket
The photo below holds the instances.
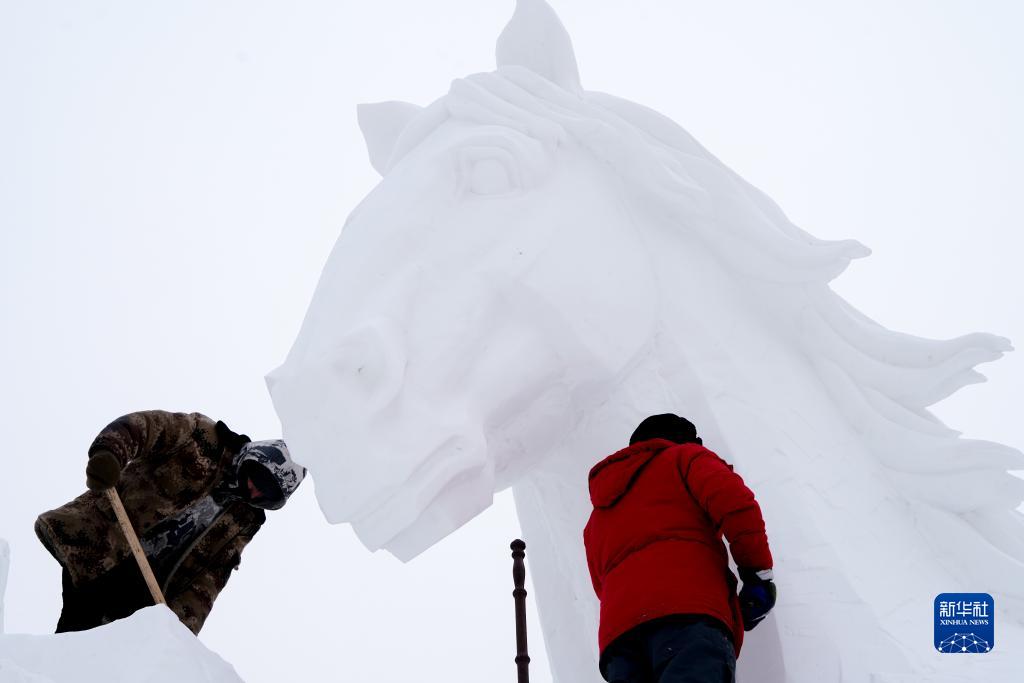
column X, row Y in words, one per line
column 194, row 491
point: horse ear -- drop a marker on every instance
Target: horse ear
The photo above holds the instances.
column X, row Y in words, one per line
column 382, row 123
column 536, row 39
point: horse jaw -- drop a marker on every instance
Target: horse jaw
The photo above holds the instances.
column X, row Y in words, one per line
column 463, row 497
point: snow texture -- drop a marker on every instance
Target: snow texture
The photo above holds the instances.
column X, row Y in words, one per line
column 5, row 560
column 543, row 266
column 151, row 645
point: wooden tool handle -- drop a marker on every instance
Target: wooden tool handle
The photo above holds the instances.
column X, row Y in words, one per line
column 133, row 543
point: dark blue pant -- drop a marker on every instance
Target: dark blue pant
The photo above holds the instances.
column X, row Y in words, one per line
column 678, row 649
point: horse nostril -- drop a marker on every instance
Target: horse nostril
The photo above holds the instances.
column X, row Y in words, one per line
column 369, row 362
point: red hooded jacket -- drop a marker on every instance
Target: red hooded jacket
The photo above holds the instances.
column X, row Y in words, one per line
column 654, row 540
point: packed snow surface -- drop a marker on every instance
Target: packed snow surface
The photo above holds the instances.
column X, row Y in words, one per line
column 151, row 645
column 541, row 267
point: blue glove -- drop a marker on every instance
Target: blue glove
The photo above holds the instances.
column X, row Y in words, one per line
column 757, row 596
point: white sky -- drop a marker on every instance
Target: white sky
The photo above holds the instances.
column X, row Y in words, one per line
column 173, row 175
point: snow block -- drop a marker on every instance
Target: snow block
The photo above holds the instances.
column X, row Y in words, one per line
column 151, row 645
column 5, row 558
column 12, row 673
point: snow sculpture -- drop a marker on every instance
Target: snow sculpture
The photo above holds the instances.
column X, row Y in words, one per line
column 151, row 645
column 5, row 559
column 543, row 266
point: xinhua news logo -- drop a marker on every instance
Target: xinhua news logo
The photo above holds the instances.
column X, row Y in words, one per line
column 964, row 623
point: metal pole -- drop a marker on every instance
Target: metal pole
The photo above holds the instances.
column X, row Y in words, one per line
column 519, row 578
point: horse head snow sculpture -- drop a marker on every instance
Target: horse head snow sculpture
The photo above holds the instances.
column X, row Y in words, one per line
column 542, row 267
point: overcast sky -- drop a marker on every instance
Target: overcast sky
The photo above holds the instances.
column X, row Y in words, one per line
column 173, row 176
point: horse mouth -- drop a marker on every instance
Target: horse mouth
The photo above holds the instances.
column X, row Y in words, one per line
column 450, row 487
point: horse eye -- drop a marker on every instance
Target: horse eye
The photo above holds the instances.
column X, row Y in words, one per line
column 491, row 176
column 488, row 171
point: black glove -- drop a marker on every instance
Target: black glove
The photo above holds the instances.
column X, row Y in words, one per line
column 103, row 471
column 757, row 596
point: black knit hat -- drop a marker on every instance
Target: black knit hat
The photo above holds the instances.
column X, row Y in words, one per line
column 666, row 426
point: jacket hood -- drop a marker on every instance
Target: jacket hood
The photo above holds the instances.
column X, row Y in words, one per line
column 611, row 478
column 273, row 456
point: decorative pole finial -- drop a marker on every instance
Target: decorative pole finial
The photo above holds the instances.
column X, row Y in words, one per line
column 519, row 579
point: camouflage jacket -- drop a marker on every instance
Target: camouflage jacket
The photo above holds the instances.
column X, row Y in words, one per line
column 170, row 461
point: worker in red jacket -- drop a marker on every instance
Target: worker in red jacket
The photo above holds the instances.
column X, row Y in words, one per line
column 669, row 608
